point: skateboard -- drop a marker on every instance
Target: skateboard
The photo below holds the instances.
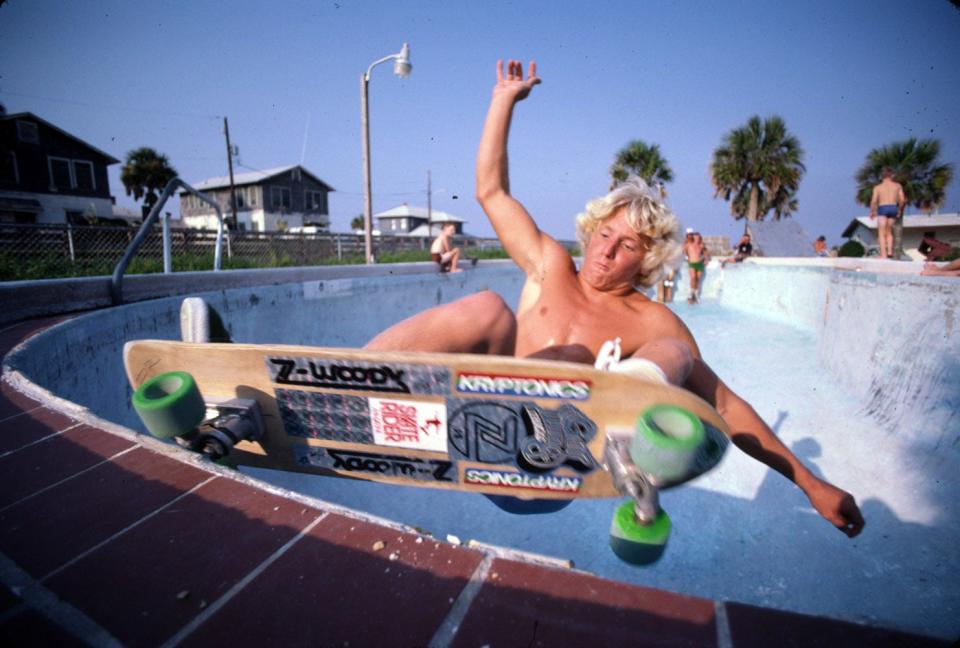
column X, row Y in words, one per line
column 524, row 429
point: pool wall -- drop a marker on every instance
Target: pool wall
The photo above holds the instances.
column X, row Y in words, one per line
column 81, row 360
column 892, row 338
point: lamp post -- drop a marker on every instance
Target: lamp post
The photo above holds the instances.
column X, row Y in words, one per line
column 401, row 68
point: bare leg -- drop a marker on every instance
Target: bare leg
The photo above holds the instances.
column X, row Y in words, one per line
column 951, row 269
column 886, row 238
column 480, row 323
column 454, row 259
column 671, row 355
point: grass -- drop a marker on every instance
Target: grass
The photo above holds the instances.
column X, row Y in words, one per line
column 17, row 268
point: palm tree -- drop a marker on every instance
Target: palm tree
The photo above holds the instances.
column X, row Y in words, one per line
column 758, row 168
column 145, row 173
column 644, row 160
column 916, row 167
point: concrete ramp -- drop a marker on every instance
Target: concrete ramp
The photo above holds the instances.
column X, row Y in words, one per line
column 783, row 238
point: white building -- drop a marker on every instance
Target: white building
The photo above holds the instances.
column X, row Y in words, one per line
column 942, row 227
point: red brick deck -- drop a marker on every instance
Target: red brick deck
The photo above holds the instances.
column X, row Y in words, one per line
column 107, row 542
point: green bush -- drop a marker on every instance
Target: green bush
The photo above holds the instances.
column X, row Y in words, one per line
column 852, row 249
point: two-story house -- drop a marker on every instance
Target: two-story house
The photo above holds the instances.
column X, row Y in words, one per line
column 405, row 220
column 275, row 199
column 48, row 175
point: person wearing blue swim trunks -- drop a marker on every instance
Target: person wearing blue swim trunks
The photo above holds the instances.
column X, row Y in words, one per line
column 887, row 202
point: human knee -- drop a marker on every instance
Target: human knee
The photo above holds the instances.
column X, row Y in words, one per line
column 672, row 355
column 490, row 309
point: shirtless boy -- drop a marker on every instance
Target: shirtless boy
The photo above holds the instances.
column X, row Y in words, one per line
column 442, row 252
column 628, row 237
column 887, row 202
column 696, row 253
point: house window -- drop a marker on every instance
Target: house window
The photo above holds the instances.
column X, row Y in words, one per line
column 295, row 174
column 280, row 197
column 241, row 198
column 8, row 168
column 71, row 174
column 28, row 132
column 314, row 200
column 60, row 173
column 83, row 175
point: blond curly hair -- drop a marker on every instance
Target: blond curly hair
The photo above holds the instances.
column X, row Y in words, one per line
column 647, row 214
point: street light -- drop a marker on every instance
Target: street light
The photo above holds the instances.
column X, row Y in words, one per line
column 401, row 67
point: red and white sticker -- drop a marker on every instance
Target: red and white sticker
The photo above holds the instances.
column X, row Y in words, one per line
column 409, row 424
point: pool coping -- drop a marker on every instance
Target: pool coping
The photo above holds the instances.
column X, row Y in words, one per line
column 56, row 574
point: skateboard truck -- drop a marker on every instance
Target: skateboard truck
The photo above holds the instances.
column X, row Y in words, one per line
column 238, row 419
column 630, row 481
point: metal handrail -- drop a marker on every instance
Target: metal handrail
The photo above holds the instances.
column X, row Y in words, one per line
column 116, row 283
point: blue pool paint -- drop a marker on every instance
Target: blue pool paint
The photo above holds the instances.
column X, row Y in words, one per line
column 858, row 372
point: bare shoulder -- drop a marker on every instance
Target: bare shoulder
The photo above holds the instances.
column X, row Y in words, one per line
column 555, row 255
column 657, row 321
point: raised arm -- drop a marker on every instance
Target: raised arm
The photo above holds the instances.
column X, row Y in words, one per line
column 519, row 234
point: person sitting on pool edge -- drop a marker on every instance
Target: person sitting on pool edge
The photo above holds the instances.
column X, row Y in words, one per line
column 627, row 239
column 442, row 252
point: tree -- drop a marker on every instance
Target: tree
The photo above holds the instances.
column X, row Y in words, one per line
column 758, row 168
column 145, row 173
column 357, row 223
column 916, row 167
column 644, row 160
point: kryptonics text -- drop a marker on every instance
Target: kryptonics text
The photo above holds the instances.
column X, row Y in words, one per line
column 529, row 387
column 338, row 375
column 522, row 480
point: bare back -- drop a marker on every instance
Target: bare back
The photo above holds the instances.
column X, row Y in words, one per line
column 887, row 192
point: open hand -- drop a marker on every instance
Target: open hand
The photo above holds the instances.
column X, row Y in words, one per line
column 513, row 85
column 838, row 507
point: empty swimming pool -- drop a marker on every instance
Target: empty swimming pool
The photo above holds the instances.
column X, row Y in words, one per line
column 857, row 372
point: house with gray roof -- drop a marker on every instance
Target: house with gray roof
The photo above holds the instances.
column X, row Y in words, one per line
column 271, row 200
column 405, row 220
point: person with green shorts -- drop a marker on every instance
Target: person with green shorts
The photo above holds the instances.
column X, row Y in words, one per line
column 696, row 253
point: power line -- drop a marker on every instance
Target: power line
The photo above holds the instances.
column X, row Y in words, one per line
column 109, row 106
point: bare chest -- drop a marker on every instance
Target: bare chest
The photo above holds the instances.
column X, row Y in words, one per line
column 560, row 317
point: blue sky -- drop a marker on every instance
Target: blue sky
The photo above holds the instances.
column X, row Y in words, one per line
column 846, row 77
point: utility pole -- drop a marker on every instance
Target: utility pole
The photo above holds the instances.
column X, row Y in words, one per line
column 233, row 190
column 429, row 206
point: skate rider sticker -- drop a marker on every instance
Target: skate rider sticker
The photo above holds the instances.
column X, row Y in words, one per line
column 409, row 424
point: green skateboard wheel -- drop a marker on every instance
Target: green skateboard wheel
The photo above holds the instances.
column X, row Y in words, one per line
column 169, row 404
column 636, row 543
column 667, row 442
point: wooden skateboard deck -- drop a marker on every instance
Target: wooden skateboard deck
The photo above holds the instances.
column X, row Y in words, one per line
column 485, row 424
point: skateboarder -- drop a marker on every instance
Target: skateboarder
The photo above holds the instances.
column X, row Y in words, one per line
column 628, row 238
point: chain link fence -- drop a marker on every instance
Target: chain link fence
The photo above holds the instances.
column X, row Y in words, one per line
column 60, row 250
